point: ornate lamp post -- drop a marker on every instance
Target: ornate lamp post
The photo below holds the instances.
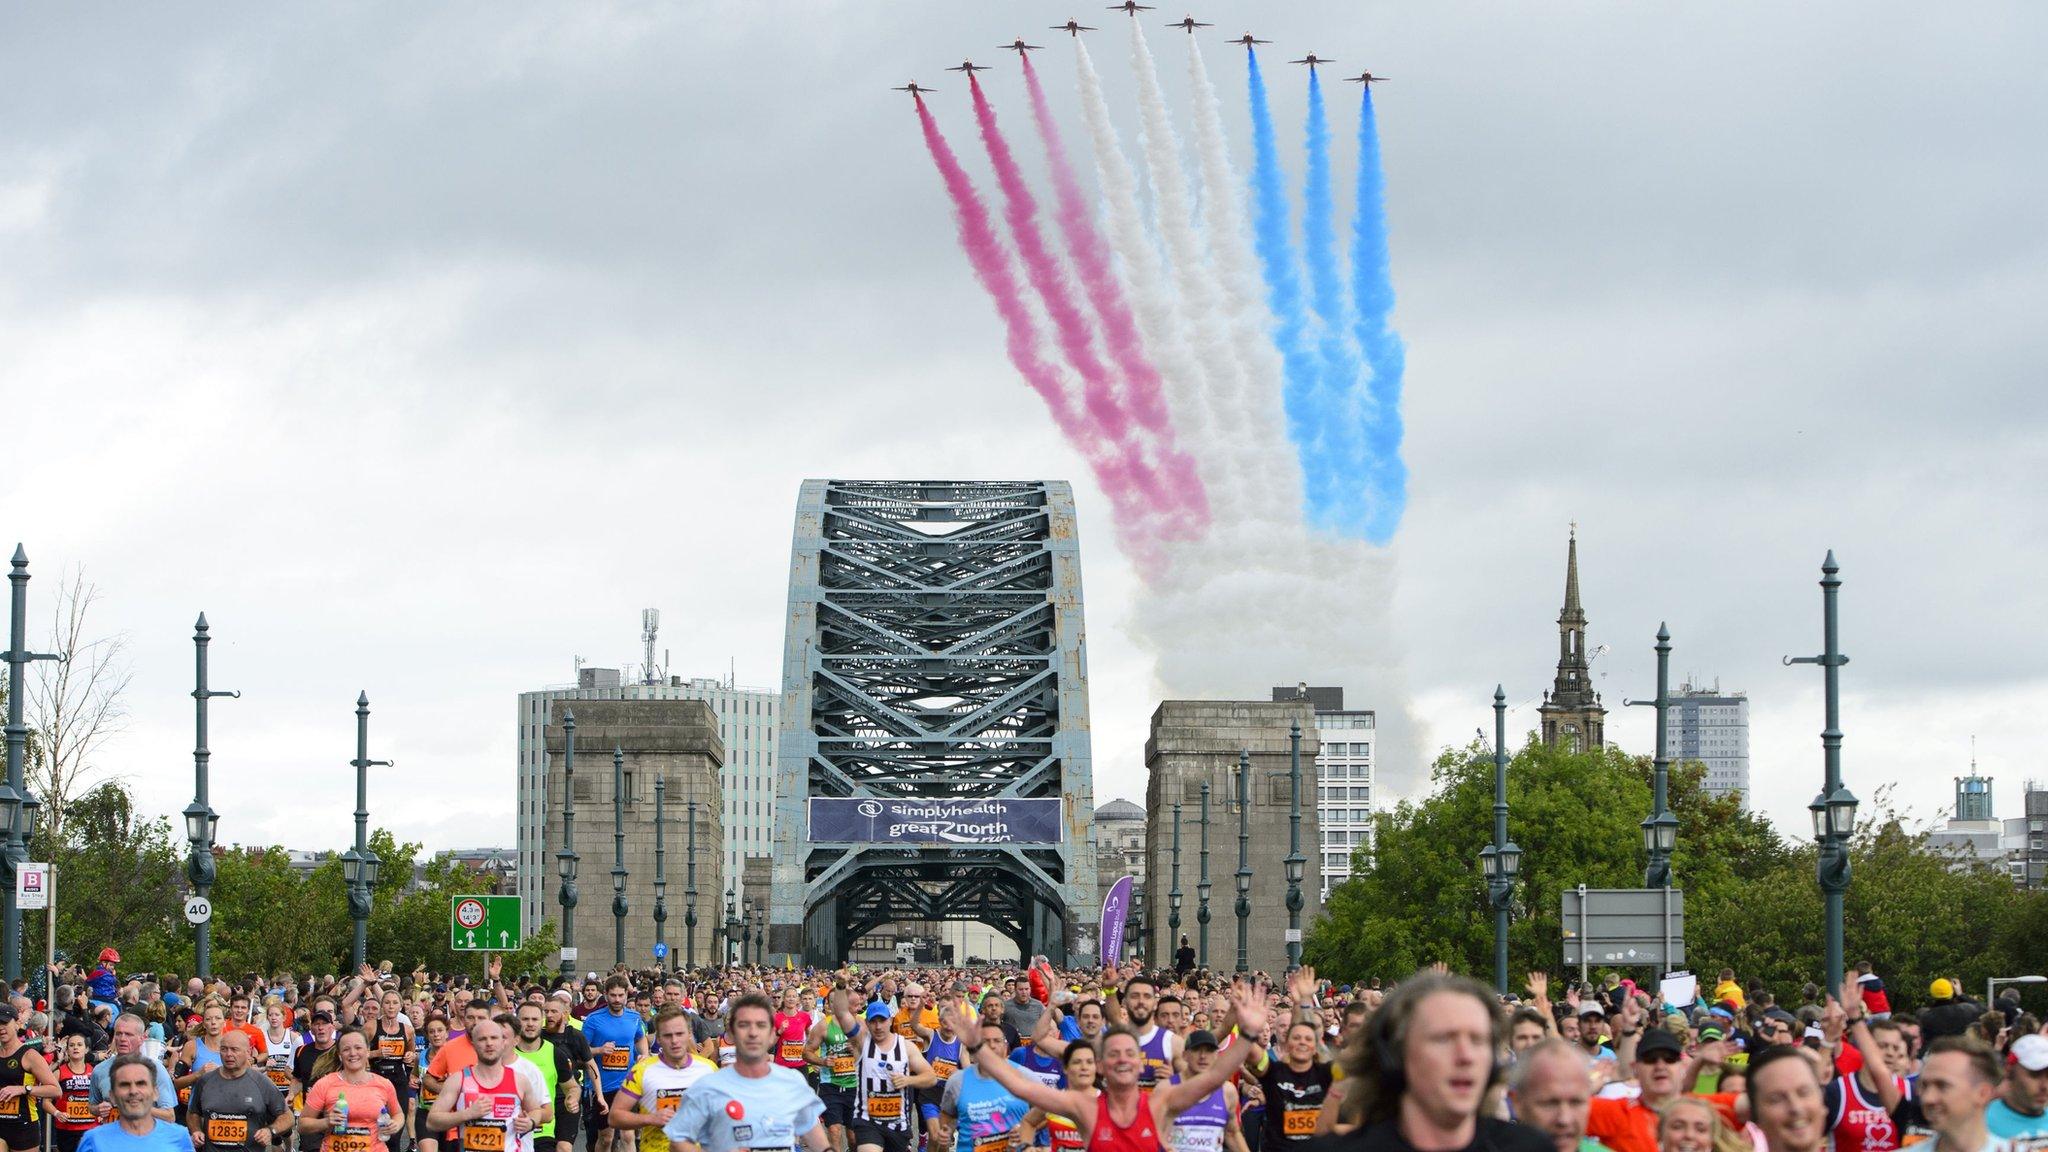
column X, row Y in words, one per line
column 202, row 823
column 660, row 873
column 1834, row 809
column 1202, row 886
column 760, row 937
column 15, row 801
column 359, row 865
column 1501, row 860
column 732, row 927
column 619, row 908
column 1295, row 860
column 746, row 929
column 1660, row 828
column 1244, row 861
column 1144, row 941
column 690, row 896
column 1173, row 894
column 566, row 859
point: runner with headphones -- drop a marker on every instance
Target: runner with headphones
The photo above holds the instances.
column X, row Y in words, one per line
column 1418, row 1080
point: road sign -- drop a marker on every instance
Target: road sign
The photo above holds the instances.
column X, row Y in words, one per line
column 1625, row 927
column 568, row 955
column 198, row 910
column 660, row 950
column 483, row 923
column 32, row 887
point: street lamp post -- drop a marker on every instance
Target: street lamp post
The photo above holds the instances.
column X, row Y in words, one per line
column 760, row 937
column 1834, row 809
column 1244, row 861
column 1144, row 942
column 746, row 929
column 566, row 859
column 202, row 823
column 1294, row 859
column 14, row 797
column 732, row 926
column 1660, row 828
column 619, row 908
column 690, row 896
column 660, row 873
column 359, row 865
column 1173, row 894
column 1500, row 860
column 1202, row 886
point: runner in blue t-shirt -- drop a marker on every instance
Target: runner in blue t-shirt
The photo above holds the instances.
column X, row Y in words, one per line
column 618, row 1039
column 135, row 1130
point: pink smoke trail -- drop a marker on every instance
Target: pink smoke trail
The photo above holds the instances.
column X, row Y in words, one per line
column 985, row 254
column 1144, row 391
column 1076, row 336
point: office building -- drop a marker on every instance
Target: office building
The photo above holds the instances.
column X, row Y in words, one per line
column 746, row 727
column 1712, row 727
column 1344, row 783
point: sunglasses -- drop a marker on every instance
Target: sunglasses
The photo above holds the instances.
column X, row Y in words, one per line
column 1659, row 1058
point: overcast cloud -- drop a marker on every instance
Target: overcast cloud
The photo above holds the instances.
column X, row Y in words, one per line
column 422, row 346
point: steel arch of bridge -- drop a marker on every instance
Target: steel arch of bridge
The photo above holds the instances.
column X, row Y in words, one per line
column 935, row 648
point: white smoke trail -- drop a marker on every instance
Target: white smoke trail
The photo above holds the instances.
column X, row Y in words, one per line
column 1256, row 411
column 1194, row 277
column 1261, row 600
column 1166, row 337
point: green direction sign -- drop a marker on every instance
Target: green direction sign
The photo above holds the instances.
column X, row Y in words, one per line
column 483, row 923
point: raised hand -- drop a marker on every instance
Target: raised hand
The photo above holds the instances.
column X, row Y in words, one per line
column 1631, row 1014
column 1302, row 986
column 1250, row 1008
column 1539, row 985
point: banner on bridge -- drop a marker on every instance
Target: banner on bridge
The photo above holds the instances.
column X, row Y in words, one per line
column 872, row 820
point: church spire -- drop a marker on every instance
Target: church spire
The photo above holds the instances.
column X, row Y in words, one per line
column 1572, row 714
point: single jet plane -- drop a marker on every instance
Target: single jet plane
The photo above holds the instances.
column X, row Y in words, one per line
column 1311, row 60
column 1248, row 40
column 1188, row 24
column 1072, row 28
column 969, row 67
column 1366, row 78
column 1020, row 47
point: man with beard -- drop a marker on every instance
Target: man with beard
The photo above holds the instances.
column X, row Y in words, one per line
column 1160, row 1047
column 497, row 1102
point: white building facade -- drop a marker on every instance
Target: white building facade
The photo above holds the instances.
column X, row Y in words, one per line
column 1343, row 778
column 1712, row 727
column 746, row 725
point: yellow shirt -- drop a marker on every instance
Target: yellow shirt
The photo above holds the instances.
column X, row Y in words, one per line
column 658, row 1089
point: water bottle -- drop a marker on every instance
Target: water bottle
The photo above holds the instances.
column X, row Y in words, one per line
column 340, row 1113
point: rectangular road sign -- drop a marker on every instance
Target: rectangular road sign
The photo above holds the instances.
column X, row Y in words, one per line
column 1625, row 927
column 483, row 923
column 32, row 887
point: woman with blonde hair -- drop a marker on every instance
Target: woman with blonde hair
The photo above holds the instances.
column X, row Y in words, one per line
column 1691, row 1124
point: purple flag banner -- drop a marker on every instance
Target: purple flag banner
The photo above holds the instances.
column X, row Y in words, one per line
column 1116, row 908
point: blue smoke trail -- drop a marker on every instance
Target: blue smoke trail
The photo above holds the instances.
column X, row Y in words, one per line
column 1372, row 292
column 1342, row 395
column 1271, row 234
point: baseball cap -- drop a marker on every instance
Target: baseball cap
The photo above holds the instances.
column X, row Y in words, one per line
column 1658, row 1040
column 1591, row 1008
column 1941, row 989
column 1203, row 1038
column 877, row 1008
column 1711, row 1033
column 2030, row 1052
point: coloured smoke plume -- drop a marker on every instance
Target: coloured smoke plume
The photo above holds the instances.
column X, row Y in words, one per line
column 1372, row 293
column 1136, row 525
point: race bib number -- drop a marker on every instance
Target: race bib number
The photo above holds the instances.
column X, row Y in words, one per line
column 77, row 1108
column 391, row 1047
column 842, row 1065
column 12, row 1107
column 993, row 1143
column 617, row 1058
column 227, row 1129
column 792, row 1051
column 1298, row 1122
column 349, row 1140
column 886, row 1107
column 484, row 1136
column 667, row 1101
column 280, row 1078
column 944, row 1069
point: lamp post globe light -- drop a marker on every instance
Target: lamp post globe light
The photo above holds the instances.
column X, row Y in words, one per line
column 1202, row 887
column 202, row 823
column 1834, row 808
column 566, row 859
column 1294, row 861
column 359, row 865
column 1244, row 864
column 1660, row 827
column 1501, row 860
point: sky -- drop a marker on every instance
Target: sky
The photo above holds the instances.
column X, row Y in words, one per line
column 422, row 346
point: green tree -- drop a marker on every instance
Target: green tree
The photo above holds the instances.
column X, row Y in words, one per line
column 120, row 882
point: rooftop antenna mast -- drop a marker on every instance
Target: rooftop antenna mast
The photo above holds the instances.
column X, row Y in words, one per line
column 650, row 627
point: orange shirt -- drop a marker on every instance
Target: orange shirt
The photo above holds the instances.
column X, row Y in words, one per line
column 1631, row 1125
column 458, row 1054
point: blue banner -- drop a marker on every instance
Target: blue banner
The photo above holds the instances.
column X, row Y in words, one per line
column 871, row 820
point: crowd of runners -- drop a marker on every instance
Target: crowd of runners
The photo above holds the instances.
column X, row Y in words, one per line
column 1120, row 1059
